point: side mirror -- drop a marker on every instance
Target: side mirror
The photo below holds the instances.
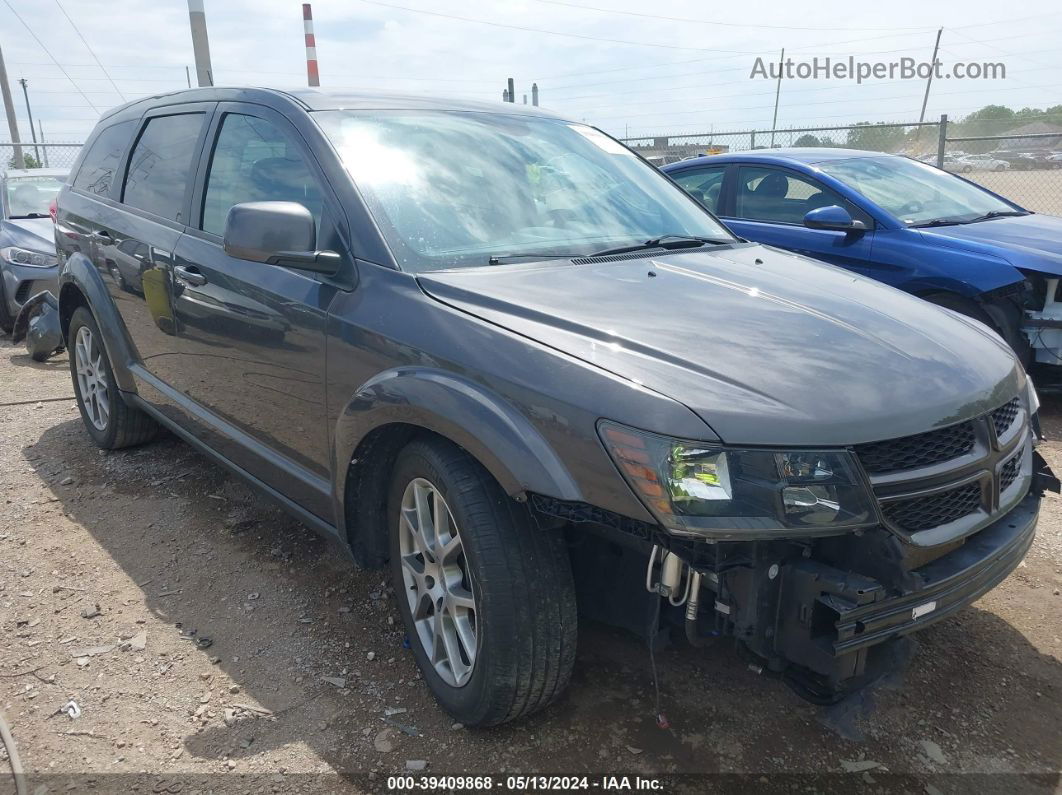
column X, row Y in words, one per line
column 833, row 217
column 276, row 233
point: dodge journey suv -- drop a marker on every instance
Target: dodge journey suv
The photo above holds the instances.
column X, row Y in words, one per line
column 501, row 353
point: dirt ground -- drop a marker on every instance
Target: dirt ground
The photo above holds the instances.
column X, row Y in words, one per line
column 1038, row 190
column 305, row 684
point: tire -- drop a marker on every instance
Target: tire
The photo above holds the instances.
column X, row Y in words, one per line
column 518, row 576
column 6, row 321
column 1006, row 325
column 110, row 422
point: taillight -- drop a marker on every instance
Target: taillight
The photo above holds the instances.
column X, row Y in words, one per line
column 53, row 210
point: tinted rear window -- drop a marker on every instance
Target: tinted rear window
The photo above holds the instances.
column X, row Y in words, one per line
column 161, row 165
column 102, row 159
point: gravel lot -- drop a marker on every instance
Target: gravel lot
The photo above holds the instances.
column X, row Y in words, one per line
column 306, row 672
column 1039, row 191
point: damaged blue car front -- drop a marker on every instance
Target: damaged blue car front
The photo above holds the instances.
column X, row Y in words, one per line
column 902, row 222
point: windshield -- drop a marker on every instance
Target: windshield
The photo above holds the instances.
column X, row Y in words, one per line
column 29, row 197
column 914, row 192
column 454, row 189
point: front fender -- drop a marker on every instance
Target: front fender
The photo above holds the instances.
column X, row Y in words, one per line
column 80, row 282
column 485, row 424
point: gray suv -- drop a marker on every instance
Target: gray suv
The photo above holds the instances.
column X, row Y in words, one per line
column 501, row 353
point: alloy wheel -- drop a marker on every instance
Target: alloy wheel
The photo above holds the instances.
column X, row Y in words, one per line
column 92, row 378
column 437, row 583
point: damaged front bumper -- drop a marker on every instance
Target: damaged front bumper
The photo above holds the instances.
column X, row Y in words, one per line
column 829, row 622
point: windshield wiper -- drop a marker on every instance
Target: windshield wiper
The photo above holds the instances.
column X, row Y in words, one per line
column 997, row 214
column 29, row 215
column 498, row 259
column 665, row 242
column 938, row 222
column 959, row 221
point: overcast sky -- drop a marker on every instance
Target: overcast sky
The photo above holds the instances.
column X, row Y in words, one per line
column 625, row 72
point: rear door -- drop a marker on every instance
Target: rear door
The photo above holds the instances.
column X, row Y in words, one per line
column 139, row 236
column 251, row 342
column 768, row 204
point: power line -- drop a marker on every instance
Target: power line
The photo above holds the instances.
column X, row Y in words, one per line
column 87, row 47
column 550, row 32
column 803, row 104
column 705, row 21
column 49, row 54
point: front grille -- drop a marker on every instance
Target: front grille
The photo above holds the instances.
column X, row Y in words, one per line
column 923, row 513
column 1010, row 471
column 1004, row 416
column 911, row 452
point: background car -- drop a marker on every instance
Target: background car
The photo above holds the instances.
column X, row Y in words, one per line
column 985, row 163
column 902, row 222
column 27, row 242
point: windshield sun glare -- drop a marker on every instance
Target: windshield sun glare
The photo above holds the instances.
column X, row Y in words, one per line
column 457, row 189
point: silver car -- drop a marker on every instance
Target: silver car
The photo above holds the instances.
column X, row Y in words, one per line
column 27, row 242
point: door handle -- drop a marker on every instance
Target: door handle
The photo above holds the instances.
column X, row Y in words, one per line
column 190, row 276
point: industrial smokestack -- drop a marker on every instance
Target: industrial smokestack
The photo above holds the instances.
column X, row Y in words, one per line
column 313, row 77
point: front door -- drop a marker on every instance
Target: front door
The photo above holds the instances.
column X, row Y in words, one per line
column 769, row 205
column 252, row 336
column 133, row 245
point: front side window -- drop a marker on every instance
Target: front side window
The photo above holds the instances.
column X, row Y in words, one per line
column 456, row 189
column 103, row 158
column 914, row 192
column 161, row 165
column 776, row 196
column 703, row 184
column 28, row 197
column 254, row 162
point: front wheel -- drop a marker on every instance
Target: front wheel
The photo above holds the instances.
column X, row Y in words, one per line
column 486, row 596
column 1003, row 319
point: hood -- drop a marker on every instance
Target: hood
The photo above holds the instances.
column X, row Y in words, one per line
column 35, row 234
column 1031, row 242
column 766, row 347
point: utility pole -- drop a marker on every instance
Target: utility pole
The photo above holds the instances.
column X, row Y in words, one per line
column 929, row 82
column 777, row 94
column 9, row 108
column 43, row 147
column 188, row 76
column 200, row 42
column 33, row 130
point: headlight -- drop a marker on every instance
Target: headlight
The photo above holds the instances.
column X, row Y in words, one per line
column 1031, row 396
column 699, row 489
column 22, row 256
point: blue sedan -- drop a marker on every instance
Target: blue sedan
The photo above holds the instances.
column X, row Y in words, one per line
column 902, row 222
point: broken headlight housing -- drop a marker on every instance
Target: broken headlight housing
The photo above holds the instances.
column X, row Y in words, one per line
column 712, row 491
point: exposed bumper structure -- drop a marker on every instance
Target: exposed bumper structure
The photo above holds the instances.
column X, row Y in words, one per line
column 828, row 618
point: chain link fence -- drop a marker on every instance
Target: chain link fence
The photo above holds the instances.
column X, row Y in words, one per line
column 1023, row 164
column 47, row 155
column 1018, row 159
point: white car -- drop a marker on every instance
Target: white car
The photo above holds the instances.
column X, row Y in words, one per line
column 985, row 163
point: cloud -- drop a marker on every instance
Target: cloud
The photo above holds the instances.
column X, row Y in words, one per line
column 695, row 78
